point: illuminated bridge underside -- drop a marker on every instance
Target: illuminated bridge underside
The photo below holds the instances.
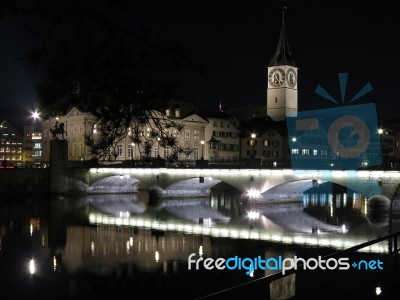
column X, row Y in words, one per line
column 115, row 184
column 293, row 190
column 266, row 181
column 187, row 188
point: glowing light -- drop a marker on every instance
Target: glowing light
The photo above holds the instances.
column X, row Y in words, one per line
column 378, row 290
column 254, row 193
column 54, row 263
column 32, row 268
column 253, row 215
column 344, row 228
column 200, row 250
column 157, row 256
column 35, row 115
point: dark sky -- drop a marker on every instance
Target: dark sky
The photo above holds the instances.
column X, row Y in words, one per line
column 235, row 41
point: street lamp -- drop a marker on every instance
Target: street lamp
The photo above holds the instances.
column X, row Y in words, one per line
column 202, row 150
column 252, row 143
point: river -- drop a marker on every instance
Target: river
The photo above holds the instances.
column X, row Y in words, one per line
column 67, row 247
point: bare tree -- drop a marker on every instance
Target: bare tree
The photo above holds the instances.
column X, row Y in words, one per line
column 102, row 57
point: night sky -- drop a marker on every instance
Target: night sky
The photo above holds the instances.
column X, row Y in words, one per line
column 235, row 41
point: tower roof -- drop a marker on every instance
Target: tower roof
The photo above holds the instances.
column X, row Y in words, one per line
column 282, row 56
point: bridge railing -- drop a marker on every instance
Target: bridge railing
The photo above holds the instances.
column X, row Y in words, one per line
column 248, row 163
column 261, row 288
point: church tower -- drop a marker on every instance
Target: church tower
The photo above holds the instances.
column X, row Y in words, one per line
column 282, row 81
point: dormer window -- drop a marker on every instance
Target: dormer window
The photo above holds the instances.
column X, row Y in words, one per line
column 177, row 112
column 167, row 112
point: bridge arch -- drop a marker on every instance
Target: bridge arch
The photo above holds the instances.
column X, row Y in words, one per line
column 115, row 184
column 367, row 183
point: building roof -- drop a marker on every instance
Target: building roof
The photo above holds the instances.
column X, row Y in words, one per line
column 282, row 56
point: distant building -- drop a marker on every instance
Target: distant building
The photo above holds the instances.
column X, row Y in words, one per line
column 222, row 139
column 10, row 144
column 32, row 146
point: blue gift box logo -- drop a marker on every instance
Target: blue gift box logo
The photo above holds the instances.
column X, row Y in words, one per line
column 339, row 138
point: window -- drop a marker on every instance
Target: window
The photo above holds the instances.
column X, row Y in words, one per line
column 81, row 129
column 252, row 142
column 186, row 151
column 295, row 151
column 196, row 134
column 222, row 124
column 315, row 152
column 196, row 153
column 187, row 133
column 305, row 151
column 166, row 152
column 215, row 123
column 95, row 128
column 266, row 143
column 119, row 150
column 130, row 151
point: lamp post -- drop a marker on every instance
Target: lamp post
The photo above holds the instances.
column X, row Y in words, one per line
column 133, row 151
column 202, row 150
column 252, row 143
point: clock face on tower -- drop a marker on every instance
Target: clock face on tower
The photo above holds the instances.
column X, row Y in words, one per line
column 276, row 77
column 291, row 77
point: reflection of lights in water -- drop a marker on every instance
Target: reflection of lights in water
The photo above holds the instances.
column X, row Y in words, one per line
column 127, row 245
column 200, row 250
column 32, row 267
column 234, row 232
column 124, row 214
column 31, row 229
column 157, row 256
column 131, row 241
column 344, row 228
column 378, row 290
column 92, row 248
column 54, row 263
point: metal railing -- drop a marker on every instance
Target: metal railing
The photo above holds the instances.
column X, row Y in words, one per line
column 260, row 288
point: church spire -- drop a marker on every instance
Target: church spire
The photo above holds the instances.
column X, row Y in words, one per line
column 282, row 56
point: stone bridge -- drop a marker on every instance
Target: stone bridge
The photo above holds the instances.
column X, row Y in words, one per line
column 268, row 183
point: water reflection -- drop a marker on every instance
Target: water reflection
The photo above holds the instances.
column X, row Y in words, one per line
column 117, row 244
